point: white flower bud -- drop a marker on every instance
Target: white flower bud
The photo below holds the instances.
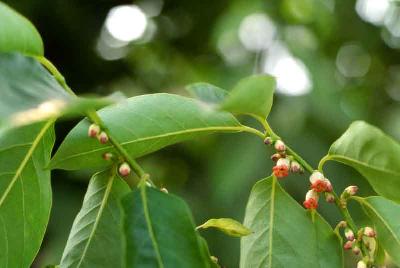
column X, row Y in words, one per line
column 356, row 250
column 312, row 194
column 124, row 169
column 368, row 231
column 330, row 198
column 351, row 190
column 283, row 162
column 361, row 264
column 280, row 146
column 268, row 141
column 103, row 138
column 108, row 156
column 295, row 167
column 348, row 233
column 164, row 190
column 93, row 131
column 316, row 176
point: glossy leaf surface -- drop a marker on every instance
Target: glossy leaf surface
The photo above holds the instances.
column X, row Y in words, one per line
column 25, row 192
column 372, row 153
column 142, row 125
column 17, row 34
column 252, row 95
column 385, row 215
column 284, row 234
column 96, row 238
column 160, row 231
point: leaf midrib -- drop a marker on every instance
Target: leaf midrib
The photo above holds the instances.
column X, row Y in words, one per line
column 97, row 219
column 366, row 203
column 271, row 221
column 149, row 224
column 340, row 157
column 25, row 160
column 175, row 133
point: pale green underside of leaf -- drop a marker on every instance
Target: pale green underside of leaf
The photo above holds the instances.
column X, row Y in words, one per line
column 29, row 93
column 142, row 125
column 25, row 192
column 207, row 93
column 228, row 226
column 17, row 34
column 284, row 234
column 385, row 214
column 372, row 153
column 160, row 232
column 96, row 238
column 252, row 95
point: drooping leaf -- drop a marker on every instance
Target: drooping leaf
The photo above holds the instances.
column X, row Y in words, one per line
column 17, row 34
column 284, row 234
column 25, row 192
column 142, row 125
column 160, row 231
column 228, row 226
column 372, row 153
column 207, row 93
column 252, row 95
column 29, row 93
column 385, row 216
column 96, row 238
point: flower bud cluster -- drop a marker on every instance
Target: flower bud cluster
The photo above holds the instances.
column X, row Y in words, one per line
column 319, row 185
column 284, row 163
column 94, row 131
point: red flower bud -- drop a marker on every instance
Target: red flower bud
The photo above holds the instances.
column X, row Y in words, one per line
column 124, row 169
column 348, row 245
column 103, row 138
column 311, row 201
column 280, row 146
column 348, row 233
column 282, row 168
column 368, row 231
column 351, row 190
column 93, row 131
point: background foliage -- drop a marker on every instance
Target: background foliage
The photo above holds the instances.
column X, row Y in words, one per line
column 352, row 62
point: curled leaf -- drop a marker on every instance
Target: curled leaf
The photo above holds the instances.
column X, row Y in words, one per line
column 228, row 226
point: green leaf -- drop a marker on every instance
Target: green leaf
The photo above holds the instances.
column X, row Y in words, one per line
column 96, row 238
column 384, row 214
column 226, row 225
column 160, row 231
column 372, row 153
column 18, row 34
column 29, row 93
column 252, row 95
column 284, row 234
column 142, row 125
column 207, row 93
column 25, row 192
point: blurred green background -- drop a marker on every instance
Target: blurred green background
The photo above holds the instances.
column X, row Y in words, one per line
column 335, row 61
